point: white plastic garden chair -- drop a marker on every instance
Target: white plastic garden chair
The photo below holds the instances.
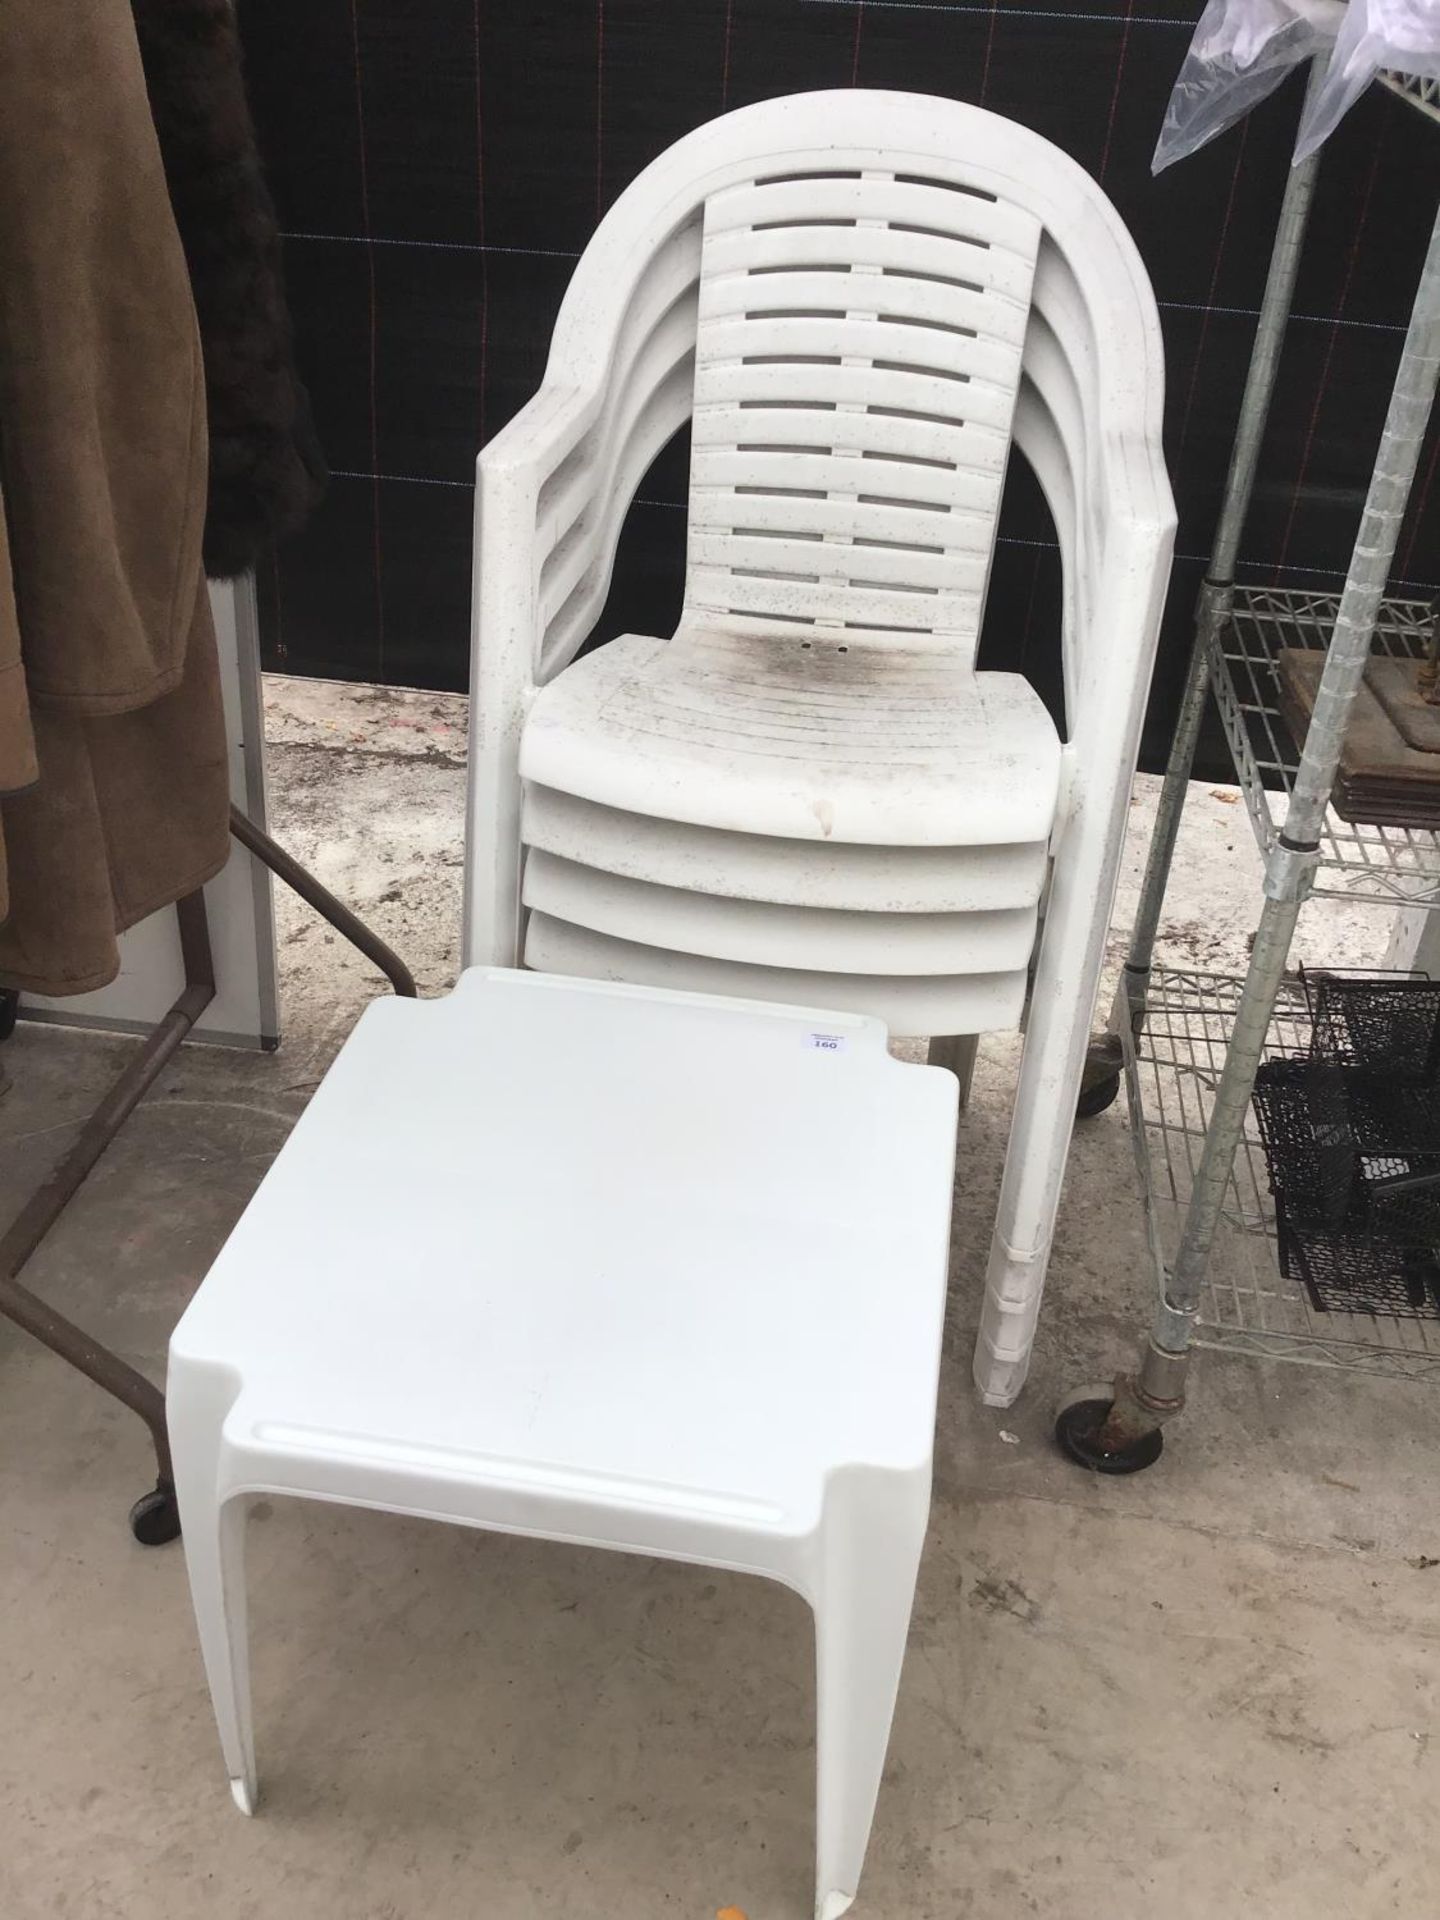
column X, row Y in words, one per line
column 807, row 792
column 720, row 1343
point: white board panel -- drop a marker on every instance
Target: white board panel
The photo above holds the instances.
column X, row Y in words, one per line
column 245, row 1010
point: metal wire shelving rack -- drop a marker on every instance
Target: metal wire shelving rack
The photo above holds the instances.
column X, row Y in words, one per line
column 1191, row 1041
column 1416, row 88
column 1391, row 866
column 1172, row 1068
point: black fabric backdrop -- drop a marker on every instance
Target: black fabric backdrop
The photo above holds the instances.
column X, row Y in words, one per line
column 439, row 164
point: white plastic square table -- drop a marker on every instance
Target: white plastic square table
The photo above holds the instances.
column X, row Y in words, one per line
column 645, row 1270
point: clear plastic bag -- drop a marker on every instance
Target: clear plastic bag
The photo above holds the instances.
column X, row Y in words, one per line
column 1241, row 51
column 1377, row 36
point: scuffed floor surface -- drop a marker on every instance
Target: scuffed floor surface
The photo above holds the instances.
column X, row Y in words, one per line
column 1207, row 1692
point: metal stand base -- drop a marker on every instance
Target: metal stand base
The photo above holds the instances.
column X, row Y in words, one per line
column 1118, row 1430
column 1104, row 1064
column 1086, row 1432
column 1100, row 1082
column 154, row 1518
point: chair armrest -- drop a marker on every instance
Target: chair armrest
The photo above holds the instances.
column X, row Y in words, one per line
column 515, row 475
column 1130, row 550
column 512, row 477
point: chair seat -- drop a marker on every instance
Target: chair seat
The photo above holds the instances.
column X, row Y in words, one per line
column 803, row 739
column 909, row 1004
column 762, row 934
column 796, row 873
column 591, row 1246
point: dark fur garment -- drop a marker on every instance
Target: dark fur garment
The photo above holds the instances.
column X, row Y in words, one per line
column 266, row 469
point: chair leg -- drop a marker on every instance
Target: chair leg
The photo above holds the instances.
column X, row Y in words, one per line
column 1057, row 1034
column 874, row 1529
column 214, row 1536
column 956, row 1052
column 198, row 1399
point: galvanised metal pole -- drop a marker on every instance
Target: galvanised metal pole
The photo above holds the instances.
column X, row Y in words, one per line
column 1213, row 608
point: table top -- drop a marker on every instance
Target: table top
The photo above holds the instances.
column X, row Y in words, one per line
column 657, row 1237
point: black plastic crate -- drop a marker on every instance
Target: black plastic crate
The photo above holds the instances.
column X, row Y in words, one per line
column 1357, row 1272
column 1383, row 1023
column 1354, row 1164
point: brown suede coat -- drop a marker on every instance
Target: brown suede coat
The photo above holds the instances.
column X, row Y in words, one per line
column 113, row 787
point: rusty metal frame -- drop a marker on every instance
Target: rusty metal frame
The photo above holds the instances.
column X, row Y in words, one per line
column 41, row 1212
column 300, row 880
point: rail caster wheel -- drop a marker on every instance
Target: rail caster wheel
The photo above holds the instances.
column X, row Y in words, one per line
column 9, row 1007
column 155, row 1517
column 1077, row 1432
column 1096, row 1098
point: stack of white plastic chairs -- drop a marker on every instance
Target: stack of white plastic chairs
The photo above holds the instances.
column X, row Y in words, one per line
column 808, row 793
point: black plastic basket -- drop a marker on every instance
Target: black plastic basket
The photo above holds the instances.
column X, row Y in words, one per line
column 1359, row 1272
column 1354, row 1164
column 1386, row 1023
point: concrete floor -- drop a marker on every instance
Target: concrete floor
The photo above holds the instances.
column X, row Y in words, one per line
column 1209, row 1690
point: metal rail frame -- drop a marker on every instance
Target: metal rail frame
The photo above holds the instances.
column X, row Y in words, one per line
column 153, row 1518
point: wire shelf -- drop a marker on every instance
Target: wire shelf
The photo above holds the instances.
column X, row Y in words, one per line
column 1172, row 1067
column 1418, row 89
column 1396, row 866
